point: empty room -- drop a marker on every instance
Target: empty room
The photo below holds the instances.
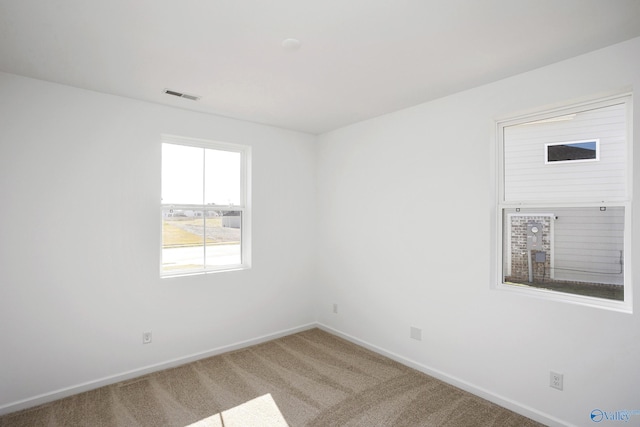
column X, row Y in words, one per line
column 332, row 213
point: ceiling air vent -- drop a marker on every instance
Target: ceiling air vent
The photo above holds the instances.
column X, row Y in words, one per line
column 181, row 95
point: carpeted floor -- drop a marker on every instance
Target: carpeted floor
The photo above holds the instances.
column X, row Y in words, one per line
column 315, row 379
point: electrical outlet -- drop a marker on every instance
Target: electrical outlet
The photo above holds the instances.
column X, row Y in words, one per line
column 555, row 380
column 146, row 337
column 335, row 308
column 415, row 333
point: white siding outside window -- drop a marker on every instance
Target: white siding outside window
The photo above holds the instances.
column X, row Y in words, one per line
column 589, row 245
column 528, row 178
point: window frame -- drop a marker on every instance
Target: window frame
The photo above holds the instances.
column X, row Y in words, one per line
column 502, row 204
column 244, row 207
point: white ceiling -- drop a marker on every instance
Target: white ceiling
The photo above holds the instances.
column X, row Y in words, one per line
column 358, row 59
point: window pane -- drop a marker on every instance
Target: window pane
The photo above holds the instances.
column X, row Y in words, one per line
column 578, row 250
column 224, row 237
column 222, row 173
column 182, row 240
column 182, row 174
column 572, row 151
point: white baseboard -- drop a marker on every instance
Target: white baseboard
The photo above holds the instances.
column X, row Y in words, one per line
column 510, row 404
column 112, row 379
column 124, row 376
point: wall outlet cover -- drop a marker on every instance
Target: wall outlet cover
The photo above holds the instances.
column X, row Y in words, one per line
column 415, row 333
column 556, row 380
column 146, row 338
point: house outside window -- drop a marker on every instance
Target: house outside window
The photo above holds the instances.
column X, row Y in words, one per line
column 205, row 206
column 565, row 203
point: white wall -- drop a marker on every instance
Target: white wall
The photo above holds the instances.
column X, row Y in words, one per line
column 407, row 238
column 80, row 239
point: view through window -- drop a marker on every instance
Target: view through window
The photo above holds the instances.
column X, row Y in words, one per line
column 565, row 201
column 204, row 212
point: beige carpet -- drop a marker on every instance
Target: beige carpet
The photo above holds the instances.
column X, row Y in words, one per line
column 314, row 379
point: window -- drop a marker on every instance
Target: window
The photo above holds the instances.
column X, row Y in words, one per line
column 565, row 203
column 579, row 151
column 205, row 215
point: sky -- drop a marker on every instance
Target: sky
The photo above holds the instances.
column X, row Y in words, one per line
column 195, row 175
